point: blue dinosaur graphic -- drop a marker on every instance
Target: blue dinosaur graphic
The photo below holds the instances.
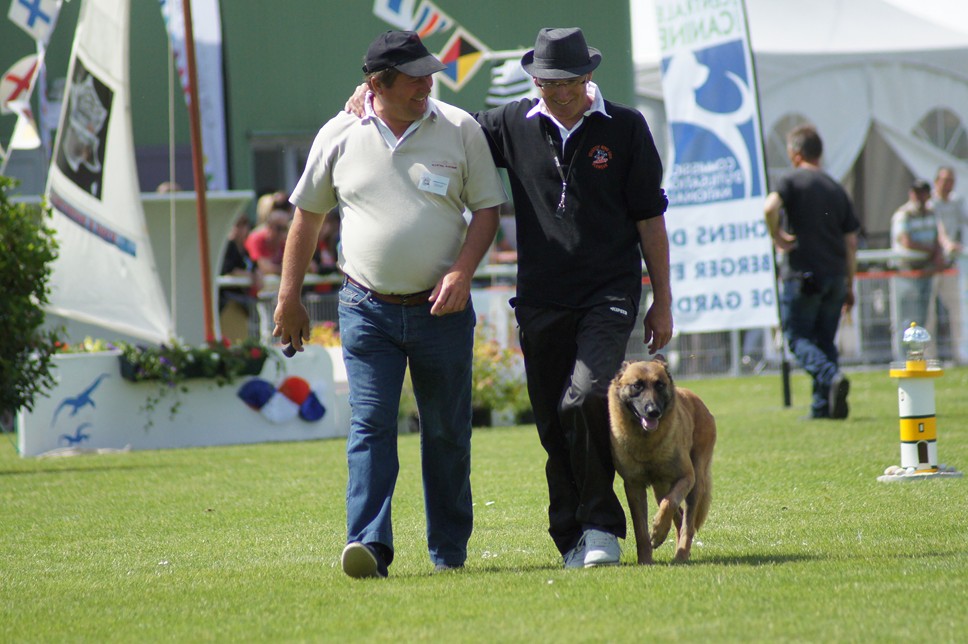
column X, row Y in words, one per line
column 78, row 437
column 79, row 401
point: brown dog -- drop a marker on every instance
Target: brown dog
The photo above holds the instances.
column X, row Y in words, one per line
column 663, row 437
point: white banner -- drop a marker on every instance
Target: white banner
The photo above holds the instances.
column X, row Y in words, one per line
column 207, row 31
column 105, row 271
column 721, row 252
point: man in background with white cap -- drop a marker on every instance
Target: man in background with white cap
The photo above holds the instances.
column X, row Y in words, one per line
column 952, row 212
column 402, row 177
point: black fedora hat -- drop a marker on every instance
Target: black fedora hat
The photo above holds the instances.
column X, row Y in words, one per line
column 403, row 50
column 560, row 53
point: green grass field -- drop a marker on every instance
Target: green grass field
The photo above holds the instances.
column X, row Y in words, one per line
column 242, row 543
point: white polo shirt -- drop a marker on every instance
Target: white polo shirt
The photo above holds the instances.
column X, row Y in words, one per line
column 401, row 207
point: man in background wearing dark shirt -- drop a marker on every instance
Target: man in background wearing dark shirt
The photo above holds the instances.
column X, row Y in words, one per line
column 818, row 245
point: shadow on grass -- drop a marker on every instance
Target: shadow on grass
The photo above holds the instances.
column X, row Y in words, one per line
column 744, row 560
column 751, row 560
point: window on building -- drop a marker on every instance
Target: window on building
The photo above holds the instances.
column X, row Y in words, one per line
column 278, row 161
column 943, row 129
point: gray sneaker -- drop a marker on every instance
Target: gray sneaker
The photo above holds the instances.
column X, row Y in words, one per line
column 575, row 558
column 601, row 549
column 360, row 561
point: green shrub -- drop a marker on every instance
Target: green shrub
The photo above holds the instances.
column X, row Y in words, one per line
column 498, row 381
column 27, row 248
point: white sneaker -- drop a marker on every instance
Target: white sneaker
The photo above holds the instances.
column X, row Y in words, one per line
column 601, row 549
column 575, row 558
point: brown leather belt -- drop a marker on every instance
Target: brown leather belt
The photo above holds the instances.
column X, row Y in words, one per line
column 406, row 299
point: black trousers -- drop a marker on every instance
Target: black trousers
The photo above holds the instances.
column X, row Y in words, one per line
column 570, row 357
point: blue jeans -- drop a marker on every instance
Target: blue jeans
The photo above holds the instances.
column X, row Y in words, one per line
column 810, row 317
column 379, row 340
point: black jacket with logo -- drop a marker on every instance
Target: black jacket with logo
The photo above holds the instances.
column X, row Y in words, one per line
column 590, row 254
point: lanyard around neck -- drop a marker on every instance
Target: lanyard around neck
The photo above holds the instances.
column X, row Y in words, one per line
column 560, row 211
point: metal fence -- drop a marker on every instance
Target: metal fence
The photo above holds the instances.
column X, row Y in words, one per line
column 866, row 337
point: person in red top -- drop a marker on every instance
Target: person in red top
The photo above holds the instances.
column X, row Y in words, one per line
column 265, row 245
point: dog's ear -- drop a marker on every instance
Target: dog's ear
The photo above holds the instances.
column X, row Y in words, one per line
column 621, row 370
column 659, row 358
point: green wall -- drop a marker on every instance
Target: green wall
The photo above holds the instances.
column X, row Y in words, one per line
column 290, row 64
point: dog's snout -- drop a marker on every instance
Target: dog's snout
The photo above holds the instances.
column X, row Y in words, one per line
column 652, row 410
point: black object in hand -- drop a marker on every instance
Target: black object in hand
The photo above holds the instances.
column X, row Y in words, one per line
column 289, row 350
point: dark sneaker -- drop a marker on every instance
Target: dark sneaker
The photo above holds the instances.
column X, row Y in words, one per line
column 839, row 388
column 361, row 561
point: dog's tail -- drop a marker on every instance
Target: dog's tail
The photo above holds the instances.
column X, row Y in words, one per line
column 704, row 493
column 702, row 490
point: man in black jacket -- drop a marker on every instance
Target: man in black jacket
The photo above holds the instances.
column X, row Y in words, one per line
column 586, row 182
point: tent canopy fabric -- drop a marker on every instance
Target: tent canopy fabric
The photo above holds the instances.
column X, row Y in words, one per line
column 843, row 27
column 887, row 90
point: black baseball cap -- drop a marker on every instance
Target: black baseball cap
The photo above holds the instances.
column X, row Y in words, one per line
column 402, row 50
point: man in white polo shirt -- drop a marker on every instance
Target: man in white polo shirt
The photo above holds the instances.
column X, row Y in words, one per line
column 402, row 178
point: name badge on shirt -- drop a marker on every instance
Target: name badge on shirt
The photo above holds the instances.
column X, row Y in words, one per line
column 434, row 183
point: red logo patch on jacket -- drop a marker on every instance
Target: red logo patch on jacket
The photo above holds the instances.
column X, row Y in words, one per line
column 600, row 156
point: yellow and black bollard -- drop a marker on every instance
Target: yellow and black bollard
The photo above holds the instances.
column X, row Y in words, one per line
column 919, row 427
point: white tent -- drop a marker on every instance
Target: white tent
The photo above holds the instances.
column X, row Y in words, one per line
column 887, row 90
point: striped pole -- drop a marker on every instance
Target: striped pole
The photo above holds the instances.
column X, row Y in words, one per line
column 919, row 426
column 915, row 400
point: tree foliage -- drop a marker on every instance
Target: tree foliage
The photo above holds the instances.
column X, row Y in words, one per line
column 27, row 248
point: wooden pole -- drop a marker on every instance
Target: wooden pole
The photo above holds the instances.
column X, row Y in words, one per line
column 198, row 166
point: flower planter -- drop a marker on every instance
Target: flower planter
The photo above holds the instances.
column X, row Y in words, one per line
column 94, row 406
column 250, row 367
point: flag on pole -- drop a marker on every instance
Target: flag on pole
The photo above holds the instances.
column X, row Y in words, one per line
column 720, row 249
column 36, row 17
column 211, row 99
column 18, row 82
column 462, row 55
column 398, row 13
column 48, row 111
column 509, row 83
column 25, row 136
column 430, row 20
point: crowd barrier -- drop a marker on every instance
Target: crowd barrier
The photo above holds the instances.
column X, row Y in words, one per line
column 868, row 336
